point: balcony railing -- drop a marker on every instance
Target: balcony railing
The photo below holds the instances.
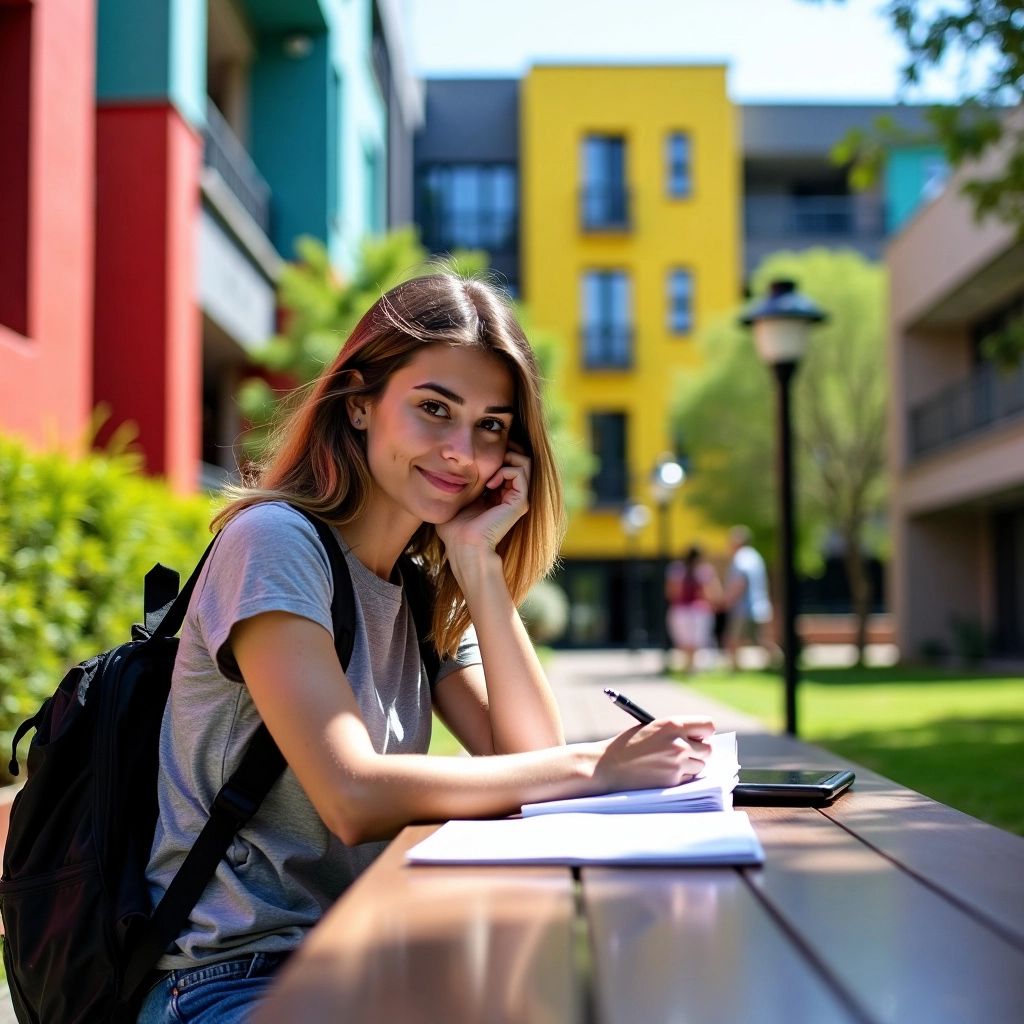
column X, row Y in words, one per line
column 604, row 208
column 826, row 216
column 607, row 348
column 986, row 398
column 223, row 152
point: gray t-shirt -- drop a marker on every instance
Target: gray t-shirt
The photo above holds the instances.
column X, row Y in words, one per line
column 284, row 868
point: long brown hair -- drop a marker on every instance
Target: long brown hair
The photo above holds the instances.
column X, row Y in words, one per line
column 317, row 459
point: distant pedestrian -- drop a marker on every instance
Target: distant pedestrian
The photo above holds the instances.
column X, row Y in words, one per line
column 746, row 600
column 692, row 591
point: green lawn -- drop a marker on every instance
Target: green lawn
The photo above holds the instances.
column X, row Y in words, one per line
column 956, row 736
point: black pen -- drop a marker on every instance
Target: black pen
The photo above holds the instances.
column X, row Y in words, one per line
column 643, row 717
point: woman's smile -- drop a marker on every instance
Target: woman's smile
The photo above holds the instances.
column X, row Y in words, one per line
column 444, row 481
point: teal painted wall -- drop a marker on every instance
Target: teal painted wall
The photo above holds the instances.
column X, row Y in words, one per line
column 912, row 176
column 318, row 129
column 153, row 51
column 363, row 134
column 292, row 135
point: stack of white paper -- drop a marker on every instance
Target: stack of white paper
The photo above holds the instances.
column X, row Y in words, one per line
column 709, row 791
column 717, row 837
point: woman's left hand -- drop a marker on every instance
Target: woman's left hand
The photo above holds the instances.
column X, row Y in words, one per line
column 481, row 524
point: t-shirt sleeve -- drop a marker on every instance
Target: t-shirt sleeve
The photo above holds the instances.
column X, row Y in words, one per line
column 468, row 653
column 267, row 559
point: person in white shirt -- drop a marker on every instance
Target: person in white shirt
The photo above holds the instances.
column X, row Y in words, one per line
column 746, row 597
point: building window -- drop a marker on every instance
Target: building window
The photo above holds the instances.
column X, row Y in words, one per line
column 934, row 175
column 610, row 485
column 604, row 198
column 680, row 301
column 679, row 182
column 607, row 318
column 15, row 58
column 468, row 206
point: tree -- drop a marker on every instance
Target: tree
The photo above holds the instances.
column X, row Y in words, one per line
column 724, row 416
column 986, row 39
column 321, row 308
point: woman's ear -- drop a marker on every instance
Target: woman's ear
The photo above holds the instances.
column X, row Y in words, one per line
column 358, row 412
column 358, row 406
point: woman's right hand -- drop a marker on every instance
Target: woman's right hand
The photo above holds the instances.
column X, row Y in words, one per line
column 665, row 752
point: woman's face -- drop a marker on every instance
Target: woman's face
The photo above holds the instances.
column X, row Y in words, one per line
column 439, row 431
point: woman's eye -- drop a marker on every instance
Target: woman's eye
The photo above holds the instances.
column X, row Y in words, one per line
column 435, row 409
column 493, row 426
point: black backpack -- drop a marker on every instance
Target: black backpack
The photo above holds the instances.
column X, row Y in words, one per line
column 81, row 935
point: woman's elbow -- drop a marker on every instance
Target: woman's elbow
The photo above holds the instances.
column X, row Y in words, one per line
column 355, row 815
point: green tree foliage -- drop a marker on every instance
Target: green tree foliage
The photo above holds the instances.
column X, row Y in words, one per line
column 984, row 41
column 77, row 536
column 725, row 415
column 321, row 308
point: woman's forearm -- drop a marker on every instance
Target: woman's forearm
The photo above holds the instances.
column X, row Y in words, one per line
column 384, row 792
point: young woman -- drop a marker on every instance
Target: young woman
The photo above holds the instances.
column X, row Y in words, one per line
column 693, row 592
column 425, row 435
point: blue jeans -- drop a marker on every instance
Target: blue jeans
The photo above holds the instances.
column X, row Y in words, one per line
column 225, row 992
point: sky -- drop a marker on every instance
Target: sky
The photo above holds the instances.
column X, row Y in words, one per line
column 776, row 50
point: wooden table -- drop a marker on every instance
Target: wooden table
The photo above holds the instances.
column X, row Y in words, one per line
column 885, row 907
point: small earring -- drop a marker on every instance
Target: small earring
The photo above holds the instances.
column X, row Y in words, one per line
column 358, row 421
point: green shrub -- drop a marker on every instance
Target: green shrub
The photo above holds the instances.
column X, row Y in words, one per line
column 77, row 536
column 545, row 612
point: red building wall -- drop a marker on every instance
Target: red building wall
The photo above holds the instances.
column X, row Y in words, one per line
column 148, row 331
column 47, row 134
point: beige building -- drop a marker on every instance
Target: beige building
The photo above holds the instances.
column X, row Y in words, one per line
column 956, row 434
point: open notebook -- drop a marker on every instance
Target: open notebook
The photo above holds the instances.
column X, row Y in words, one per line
column 709, row 791
column 586, row 830
column 712, row 837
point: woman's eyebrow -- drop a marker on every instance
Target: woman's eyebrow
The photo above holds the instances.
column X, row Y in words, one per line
column 458, row 399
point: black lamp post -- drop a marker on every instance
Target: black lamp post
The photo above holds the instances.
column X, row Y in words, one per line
column 633, row 519
column 666, row 478
column 782, row 323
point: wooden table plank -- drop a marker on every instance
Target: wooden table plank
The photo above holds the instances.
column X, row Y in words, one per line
column 430, row 944
column 942, row 846
column 899, row 949
column 691, row 945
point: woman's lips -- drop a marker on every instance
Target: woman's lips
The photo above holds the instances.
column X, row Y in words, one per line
column 443, row 482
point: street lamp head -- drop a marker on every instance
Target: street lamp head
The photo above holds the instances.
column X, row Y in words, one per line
column 634, row 518
column 667, row 476
column 782, row 322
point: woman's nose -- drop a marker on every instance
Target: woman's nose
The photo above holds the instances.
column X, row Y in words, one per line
column 458, row 446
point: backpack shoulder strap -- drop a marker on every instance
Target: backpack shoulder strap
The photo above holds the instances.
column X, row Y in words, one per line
column 420, row 594
column 240, row 797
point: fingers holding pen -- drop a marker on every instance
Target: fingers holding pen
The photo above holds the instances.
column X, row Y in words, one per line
column 663, row 752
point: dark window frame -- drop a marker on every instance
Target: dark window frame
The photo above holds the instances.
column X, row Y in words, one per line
column 606, row 342
column 679, row 325
column 486, row 223
column 610, row 484
column 679, row 167
column 604, row 193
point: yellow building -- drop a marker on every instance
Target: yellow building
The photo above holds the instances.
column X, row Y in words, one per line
column 630, row 238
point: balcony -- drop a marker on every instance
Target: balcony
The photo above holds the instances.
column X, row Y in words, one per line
column 225, row 154
column 821, row 216
column 607, row 348
column 987, row 398
column 604, row 208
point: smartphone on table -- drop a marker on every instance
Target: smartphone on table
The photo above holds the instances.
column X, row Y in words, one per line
column 808, row 787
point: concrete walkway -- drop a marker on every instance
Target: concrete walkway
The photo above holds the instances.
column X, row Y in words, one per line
column 579, row 678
